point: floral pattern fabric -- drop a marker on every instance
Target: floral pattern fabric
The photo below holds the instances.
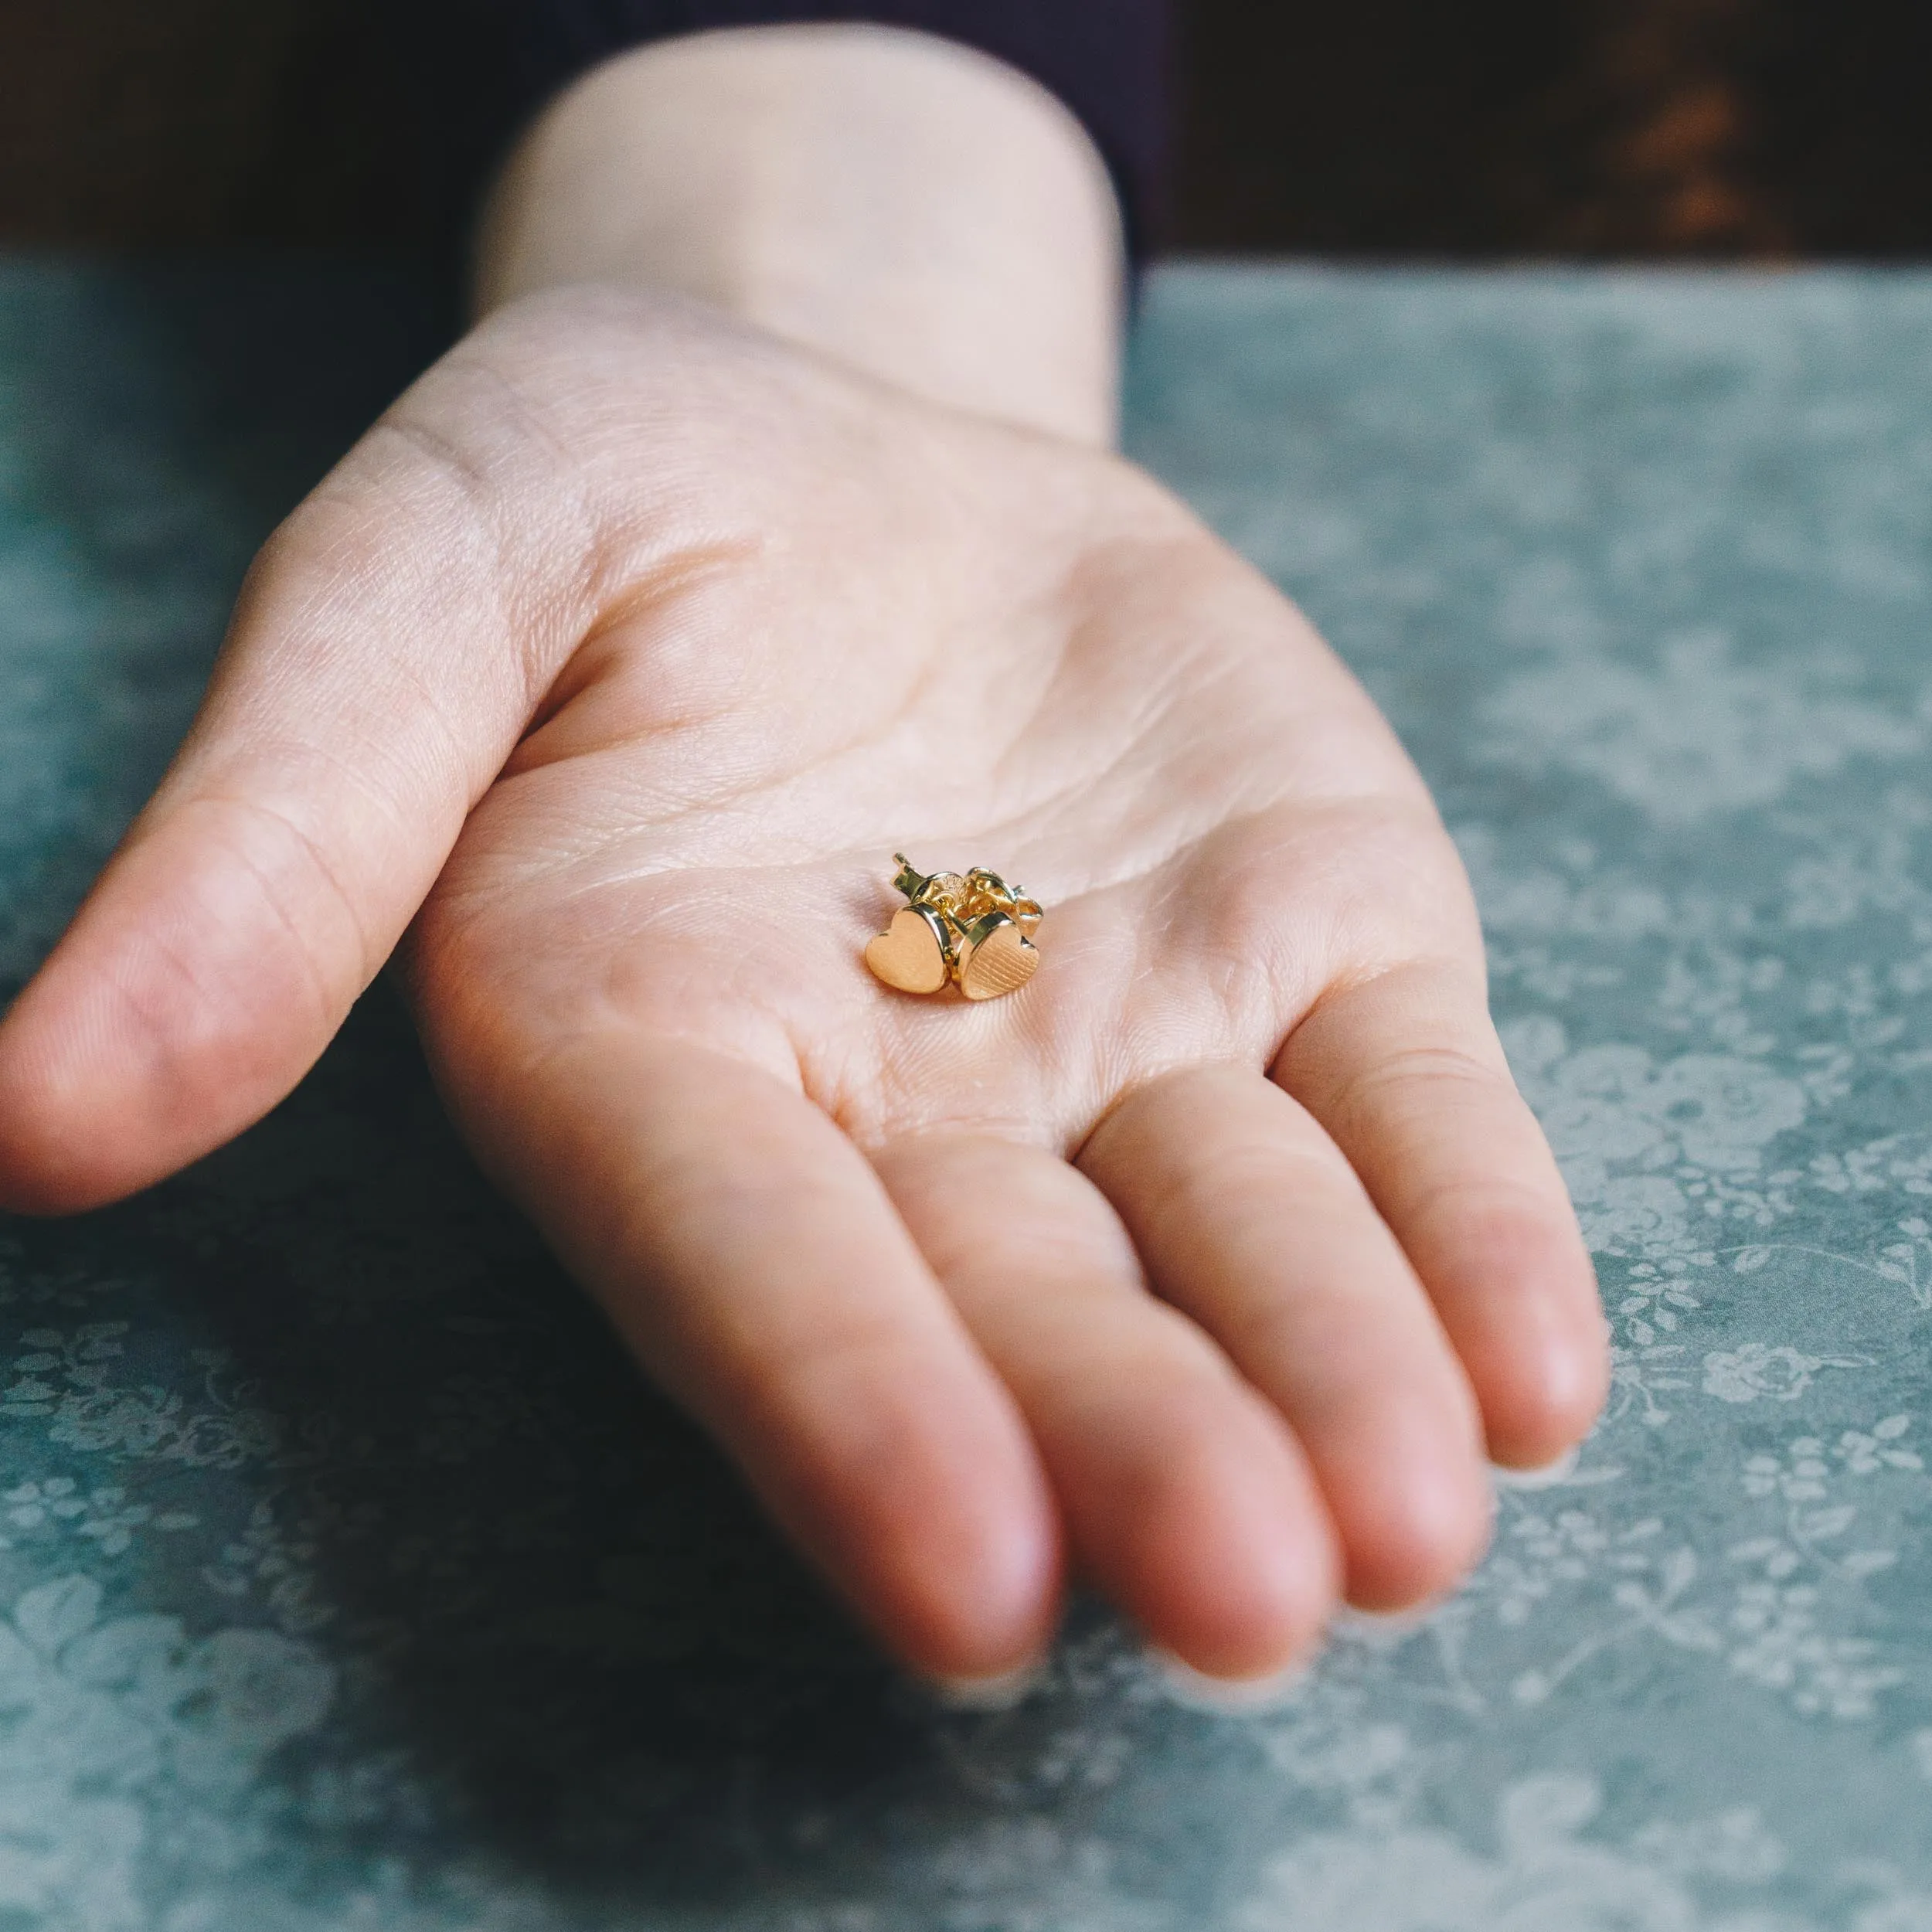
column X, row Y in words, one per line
column 349, row 1576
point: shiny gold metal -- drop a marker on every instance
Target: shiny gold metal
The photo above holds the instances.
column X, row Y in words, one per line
column 974, row 931
column 995, row 957
column 912, row 953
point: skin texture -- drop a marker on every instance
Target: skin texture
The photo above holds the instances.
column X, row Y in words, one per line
column 614, row 664
column 923, row 213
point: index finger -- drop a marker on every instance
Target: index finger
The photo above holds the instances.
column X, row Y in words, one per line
column 747, row 1251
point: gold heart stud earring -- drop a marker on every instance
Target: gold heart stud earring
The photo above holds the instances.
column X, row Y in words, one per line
column 973, row 930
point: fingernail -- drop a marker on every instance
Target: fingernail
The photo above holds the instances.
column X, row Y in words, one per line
column 1000, row 1693
column 1224, row 1696
column 1546, row 1476
column 1386, row 1624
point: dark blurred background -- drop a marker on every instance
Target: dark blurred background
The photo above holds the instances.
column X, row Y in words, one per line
column 1754, row 128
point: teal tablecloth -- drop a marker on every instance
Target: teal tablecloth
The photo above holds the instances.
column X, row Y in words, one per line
column 351, row 1581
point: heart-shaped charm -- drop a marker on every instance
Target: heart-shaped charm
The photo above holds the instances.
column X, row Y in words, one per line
column 995, row 957
column 910, row 954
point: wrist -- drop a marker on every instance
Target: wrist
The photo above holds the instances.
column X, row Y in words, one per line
column 916, row 209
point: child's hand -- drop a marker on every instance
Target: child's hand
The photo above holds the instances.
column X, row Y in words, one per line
column 628, row 648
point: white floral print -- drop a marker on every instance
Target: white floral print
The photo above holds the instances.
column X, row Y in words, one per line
column 1702, row 734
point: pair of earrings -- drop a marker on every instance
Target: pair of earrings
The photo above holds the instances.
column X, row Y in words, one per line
column 971, row 931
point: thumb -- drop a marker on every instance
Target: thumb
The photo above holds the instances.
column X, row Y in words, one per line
column 389, row 645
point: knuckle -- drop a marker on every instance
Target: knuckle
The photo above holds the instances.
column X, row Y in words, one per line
column 1436, row 1079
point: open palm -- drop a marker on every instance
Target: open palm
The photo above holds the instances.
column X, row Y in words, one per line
column 620, row 658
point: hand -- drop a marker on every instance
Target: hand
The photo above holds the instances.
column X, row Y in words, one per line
column 627, row 648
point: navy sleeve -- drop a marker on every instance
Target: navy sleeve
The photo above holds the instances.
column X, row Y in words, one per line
column 1106, row 60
